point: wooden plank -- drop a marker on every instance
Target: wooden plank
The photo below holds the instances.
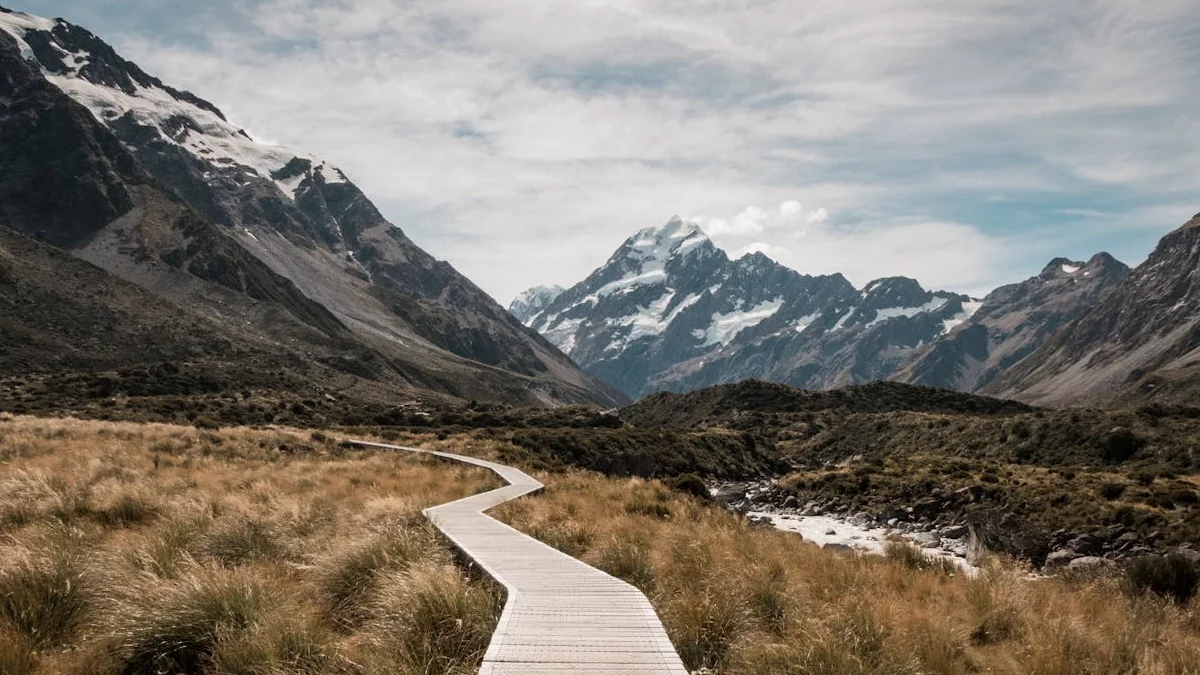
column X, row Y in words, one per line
column 561, row 615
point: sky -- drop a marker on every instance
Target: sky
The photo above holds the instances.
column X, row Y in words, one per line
column 964, row 144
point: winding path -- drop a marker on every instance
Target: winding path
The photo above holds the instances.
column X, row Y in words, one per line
column 561, row 616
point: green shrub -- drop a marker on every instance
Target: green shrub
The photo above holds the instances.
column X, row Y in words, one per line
column 690, row 483
column 1111, row 491
column 1120, row 444
column 1173, row 576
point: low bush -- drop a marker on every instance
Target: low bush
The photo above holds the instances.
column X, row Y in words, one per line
column 689, row 483
column 1172, row 576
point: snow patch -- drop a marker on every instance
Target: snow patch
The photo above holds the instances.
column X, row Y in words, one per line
column 842, row 321
column 969, row 309
column 563, row 335
column 725, row 327
column 199, row 131
column 895, row 312
column 289, row 186
column 648, row 321
column 804, row 322
column 1070, row 269
column 18, row 24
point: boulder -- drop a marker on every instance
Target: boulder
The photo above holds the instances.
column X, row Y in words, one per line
column 840, row 549
column 729, row 494
column 1085, row 545
column 1191, row 554
column 954, row 532
column 926, row 539
column 1086, row 562
column 1061, row 558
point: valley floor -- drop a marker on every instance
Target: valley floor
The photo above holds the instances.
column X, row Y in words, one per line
column 141, row 547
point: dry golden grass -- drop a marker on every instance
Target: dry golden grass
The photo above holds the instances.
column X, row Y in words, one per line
column 737, row 598
column 128, row 548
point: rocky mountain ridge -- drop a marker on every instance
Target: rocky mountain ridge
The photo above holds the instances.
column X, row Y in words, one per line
column 155, row 186
column 671, row 311
column 1011, row 323
column 1138, row 344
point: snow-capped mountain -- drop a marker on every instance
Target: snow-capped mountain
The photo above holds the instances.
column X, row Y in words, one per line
column 670, row 310
column 530, row 303
column 151, row 183
column 1012, row 322
column 1140, row 342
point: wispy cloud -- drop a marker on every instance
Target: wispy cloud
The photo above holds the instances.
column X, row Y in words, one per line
column 524, row 140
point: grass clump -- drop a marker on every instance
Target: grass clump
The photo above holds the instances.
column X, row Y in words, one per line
column 351, row 577
column 175, row 627
column 913, row 558
column 242, row 542
column 16, row 653
column 432, row 620
column 43, row 601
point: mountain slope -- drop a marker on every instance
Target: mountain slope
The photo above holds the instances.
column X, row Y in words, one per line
column 1141, row 342
column 671, row 311
column 156, row 186
column 1011, row 323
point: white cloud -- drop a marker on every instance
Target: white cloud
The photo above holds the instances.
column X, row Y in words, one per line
column 524, row 140
column 942, row 255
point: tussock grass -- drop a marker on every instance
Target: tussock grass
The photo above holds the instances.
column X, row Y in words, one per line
column 739, row 598
column 175, row 627
column 129, row 549
column 430, row 619
column 914, row 558
column 43, row 598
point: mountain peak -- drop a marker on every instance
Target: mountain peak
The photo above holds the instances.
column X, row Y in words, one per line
column 531, row 302
column 675, row 228
column 1099, row 264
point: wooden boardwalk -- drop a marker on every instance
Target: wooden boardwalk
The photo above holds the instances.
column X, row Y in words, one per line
column 561, row 616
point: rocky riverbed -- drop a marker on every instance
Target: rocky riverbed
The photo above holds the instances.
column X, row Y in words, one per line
column 953, row 536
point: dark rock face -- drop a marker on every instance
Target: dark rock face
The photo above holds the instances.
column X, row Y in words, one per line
column 670, row 311
column 148, row 181
column 1011, row 323
column 1141, row 342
